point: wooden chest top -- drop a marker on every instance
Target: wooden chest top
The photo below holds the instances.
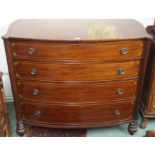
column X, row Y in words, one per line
column 76, row 30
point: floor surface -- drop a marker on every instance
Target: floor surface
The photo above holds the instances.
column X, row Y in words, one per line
column 115, row 131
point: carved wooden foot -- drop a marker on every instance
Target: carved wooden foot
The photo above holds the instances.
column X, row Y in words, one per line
column 20, row 128
column 132, row 128
column 144, row 123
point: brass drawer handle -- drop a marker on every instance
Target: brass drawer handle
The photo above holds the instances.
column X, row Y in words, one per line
column 121, row 71
column 119, row 91
column 117, row 112
column 123, row 51
column 35, row 92
column 31, row 51
column 37, row 113
column 33, row 71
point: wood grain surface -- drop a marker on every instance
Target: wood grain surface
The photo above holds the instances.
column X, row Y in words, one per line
column 86, row 115
column 76, row 92
column 68, row 71
column 77, row 71
column 77, row 51
column 76, row 29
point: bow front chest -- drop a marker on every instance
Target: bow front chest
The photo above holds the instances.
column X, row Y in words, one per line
column 76, row 73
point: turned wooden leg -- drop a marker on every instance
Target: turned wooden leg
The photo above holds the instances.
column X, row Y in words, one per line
column 144, row 123
column 20, row 128
column 132, row 128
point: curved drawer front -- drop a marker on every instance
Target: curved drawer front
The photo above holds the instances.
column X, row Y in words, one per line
column 76, row 71
column 71, row 115
column 102, row 51
column 76, row 92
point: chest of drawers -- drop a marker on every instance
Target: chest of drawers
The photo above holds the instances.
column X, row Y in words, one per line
column 76, row 73
column 148, row 96
column 4, row 123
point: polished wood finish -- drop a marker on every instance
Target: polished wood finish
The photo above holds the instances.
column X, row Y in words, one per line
column 148, row 96
column 76, row 92
column 4, row 122
column 84, row 115
column 76, row 73
column 74, row 51
column 86, row 30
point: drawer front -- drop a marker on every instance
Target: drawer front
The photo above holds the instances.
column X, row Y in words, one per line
column 76, row 92
column 76, row 71
column 102, row 51
column 77, row 115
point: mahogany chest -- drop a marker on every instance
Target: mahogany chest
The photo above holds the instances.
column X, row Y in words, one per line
column 4, row 123
column 76, row 73
column 148, row 95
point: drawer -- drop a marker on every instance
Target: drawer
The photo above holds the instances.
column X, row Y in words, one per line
column 76, row 71
column 103, row 51
column 76, row 92
column 84, row 115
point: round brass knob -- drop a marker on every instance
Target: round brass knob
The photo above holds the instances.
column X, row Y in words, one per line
column 123, row 51
column 117, row 112
column 35, row 92
column 37, row 113
column 121, row 71
column 31, row 51
column 119, row 91
column 33, row 71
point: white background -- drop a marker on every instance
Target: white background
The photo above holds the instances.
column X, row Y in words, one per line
column 10, row 10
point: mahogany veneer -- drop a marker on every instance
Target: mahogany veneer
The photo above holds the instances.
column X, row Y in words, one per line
column 76, row 73
column 79, row 92
column 74, row 51
column 84, row 115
